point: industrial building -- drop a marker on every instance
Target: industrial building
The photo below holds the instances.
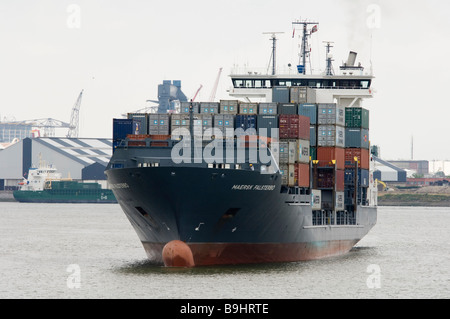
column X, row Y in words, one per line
column 417, row 167
column 11, row 131
column 77, row 158
column 389, row 173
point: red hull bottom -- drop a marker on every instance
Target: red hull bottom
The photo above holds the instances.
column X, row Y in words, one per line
column 206, row 254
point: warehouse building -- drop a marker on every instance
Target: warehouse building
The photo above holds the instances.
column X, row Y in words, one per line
column 77, row 158
column 418, row 167
column 387, row 172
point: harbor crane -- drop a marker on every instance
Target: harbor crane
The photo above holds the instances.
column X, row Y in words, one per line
column 216, row 84
column 196, row 93
column 75, row 118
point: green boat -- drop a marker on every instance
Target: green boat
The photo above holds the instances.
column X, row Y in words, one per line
column 45, row 185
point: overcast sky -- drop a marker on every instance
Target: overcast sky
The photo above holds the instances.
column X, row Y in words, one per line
column 119, row 51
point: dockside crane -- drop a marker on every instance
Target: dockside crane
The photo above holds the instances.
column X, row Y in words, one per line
column 75, row 118
column 216, row 84
column 196, row 93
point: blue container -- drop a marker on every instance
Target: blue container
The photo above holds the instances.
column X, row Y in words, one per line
column 300, row 69
column 141, row 122
column 267, row 123
column 357, row 138
column 245, row 122
column 313, row 135
column 309, row 110
column 280, row 94
column 363, row 177
column 123, row 127
column 288, row 109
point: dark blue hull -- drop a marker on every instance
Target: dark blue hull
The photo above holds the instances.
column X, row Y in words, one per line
column 228, row 216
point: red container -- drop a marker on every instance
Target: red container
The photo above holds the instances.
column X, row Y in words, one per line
column 324, row 179
column 328, row 154
column 302, row 175
column 362, row 155
column 340, row 180
column 294, row 126
column 330, row 179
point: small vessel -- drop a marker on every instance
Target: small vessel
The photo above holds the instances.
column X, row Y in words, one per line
column 45, row 185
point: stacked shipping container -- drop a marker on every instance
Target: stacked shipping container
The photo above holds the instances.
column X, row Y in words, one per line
column 332, row 136
column 294, row 146
column 357, row 155
column 330, row 164
column 229, row 106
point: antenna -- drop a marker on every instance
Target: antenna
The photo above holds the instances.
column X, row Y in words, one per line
column 274, row 50
column 329, row 59
column 305, row 52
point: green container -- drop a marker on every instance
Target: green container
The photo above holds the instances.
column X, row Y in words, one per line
column 357, row 117
column 313, row 153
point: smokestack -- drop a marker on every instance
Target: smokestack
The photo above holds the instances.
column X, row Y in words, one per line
column 351, row 58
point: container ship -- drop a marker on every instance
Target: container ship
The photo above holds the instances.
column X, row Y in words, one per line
column 45, row 185
column 286, row 179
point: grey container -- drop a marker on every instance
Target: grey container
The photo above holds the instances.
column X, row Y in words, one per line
column 248, row 108
column 331, row 136
column 204, row 122
column 280, row 94
column 357, row 138
column 268, row 108
column 158, row 124
column 283, row 152
column 209, row 108
column 298, row 94
column 330, row 114
column 224, row 122
column 185, row 107
column 309, row 110
column 180, row 120
column 229, row 106
column 284, row 171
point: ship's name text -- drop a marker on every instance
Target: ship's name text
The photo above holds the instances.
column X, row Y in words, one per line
column 253, row 188
column 119, row 186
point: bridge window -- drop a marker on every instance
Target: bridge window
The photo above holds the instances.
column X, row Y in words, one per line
column 365, row 84
column 238, row 83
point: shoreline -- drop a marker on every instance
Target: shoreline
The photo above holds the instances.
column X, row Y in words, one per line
column 427, row 196
column 7, row 196
column 395, row 198
column 414, row 200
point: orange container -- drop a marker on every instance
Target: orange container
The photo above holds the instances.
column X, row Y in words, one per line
column 302, row 174
column 137, row 137
column 362, row 155
column 332, row 154
column 160, row 137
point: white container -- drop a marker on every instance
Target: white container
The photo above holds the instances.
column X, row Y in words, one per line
column 316, row 200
